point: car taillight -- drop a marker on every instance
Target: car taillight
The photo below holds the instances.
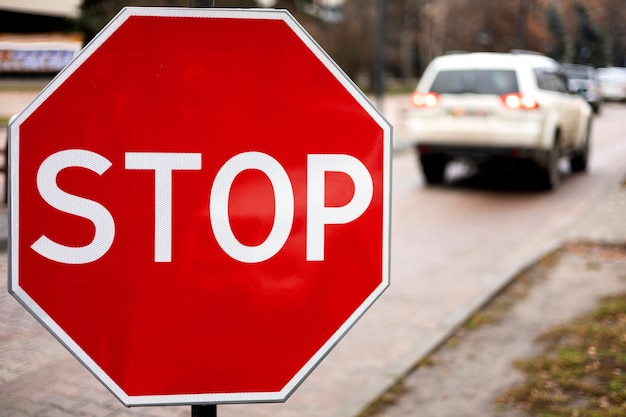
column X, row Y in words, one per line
column 420, row 99
column 519, row 101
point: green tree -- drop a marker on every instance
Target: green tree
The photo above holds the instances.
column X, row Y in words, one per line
column 95, row 14
column 589, row 41
column 558, row 42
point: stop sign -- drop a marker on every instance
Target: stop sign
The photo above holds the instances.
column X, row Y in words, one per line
column 199, row 205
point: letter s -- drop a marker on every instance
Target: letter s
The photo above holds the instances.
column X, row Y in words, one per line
column 72, row 204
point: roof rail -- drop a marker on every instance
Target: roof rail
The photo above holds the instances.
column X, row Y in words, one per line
column 525, row 52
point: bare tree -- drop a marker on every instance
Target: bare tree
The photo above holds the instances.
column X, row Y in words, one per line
column 432, row 22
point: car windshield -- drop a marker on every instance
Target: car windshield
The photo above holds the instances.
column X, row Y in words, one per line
column 475, row 82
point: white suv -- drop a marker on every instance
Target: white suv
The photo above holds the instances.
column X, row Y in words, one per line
column 491, row 108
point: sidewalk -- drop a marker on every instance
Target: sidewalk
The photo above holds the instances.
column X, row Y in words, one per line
column 474, row 369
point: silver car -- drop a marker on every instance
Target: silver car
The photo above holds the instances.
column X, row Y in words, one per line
column 612, row 83
column 583, row 80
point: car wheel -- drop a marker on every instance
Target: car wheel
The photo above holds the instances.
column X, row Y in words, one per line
column 433, row 167
column 549, row 174
column 578, row 161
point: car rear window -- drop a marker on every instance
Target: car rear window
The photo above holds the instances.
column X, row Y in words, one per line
column 475, row 82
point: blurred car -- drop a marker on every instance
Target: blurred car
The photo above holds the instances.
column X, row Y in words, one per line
column 612, row 83
column 583, row 80
column 499, row 107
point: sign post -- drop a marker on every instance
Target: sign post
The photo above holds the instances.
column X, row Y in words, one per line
column 199, row 410
column 199, row 222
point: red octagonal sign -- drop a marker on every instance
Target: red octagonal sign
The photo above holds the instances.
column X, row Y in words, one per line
column 200, row 205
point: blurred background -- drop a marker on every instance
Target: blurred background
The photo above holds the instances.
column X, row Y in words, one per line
column 371, row 40
column 454, row 247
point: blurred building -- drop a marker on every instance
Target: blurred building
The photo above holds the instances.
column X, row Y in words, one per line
column 67, row 8
column 37, row 36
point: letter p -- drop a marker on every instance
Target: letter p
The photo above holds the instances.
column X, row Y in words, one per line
column 318, row 215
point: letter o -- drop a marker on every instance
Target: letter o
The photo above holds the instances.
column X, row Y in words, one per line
column 283, row 211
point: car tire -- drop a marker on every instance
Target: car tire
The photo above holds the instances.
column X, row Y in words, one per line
column 549, row 174
column 433, row 168
column 578, row 161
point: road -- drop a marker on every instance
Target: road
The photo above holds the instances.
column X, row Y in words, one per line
column 452, row 248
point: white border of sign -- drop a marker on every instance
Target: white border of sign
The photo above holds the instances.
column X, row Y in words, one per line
column 64, row 338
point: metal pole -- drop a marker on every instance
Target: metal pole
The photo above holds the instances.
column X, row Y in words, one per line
column 203, row 410
column 201, row 3
column 208, row 410
column 379, row 69
column 522, row 16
